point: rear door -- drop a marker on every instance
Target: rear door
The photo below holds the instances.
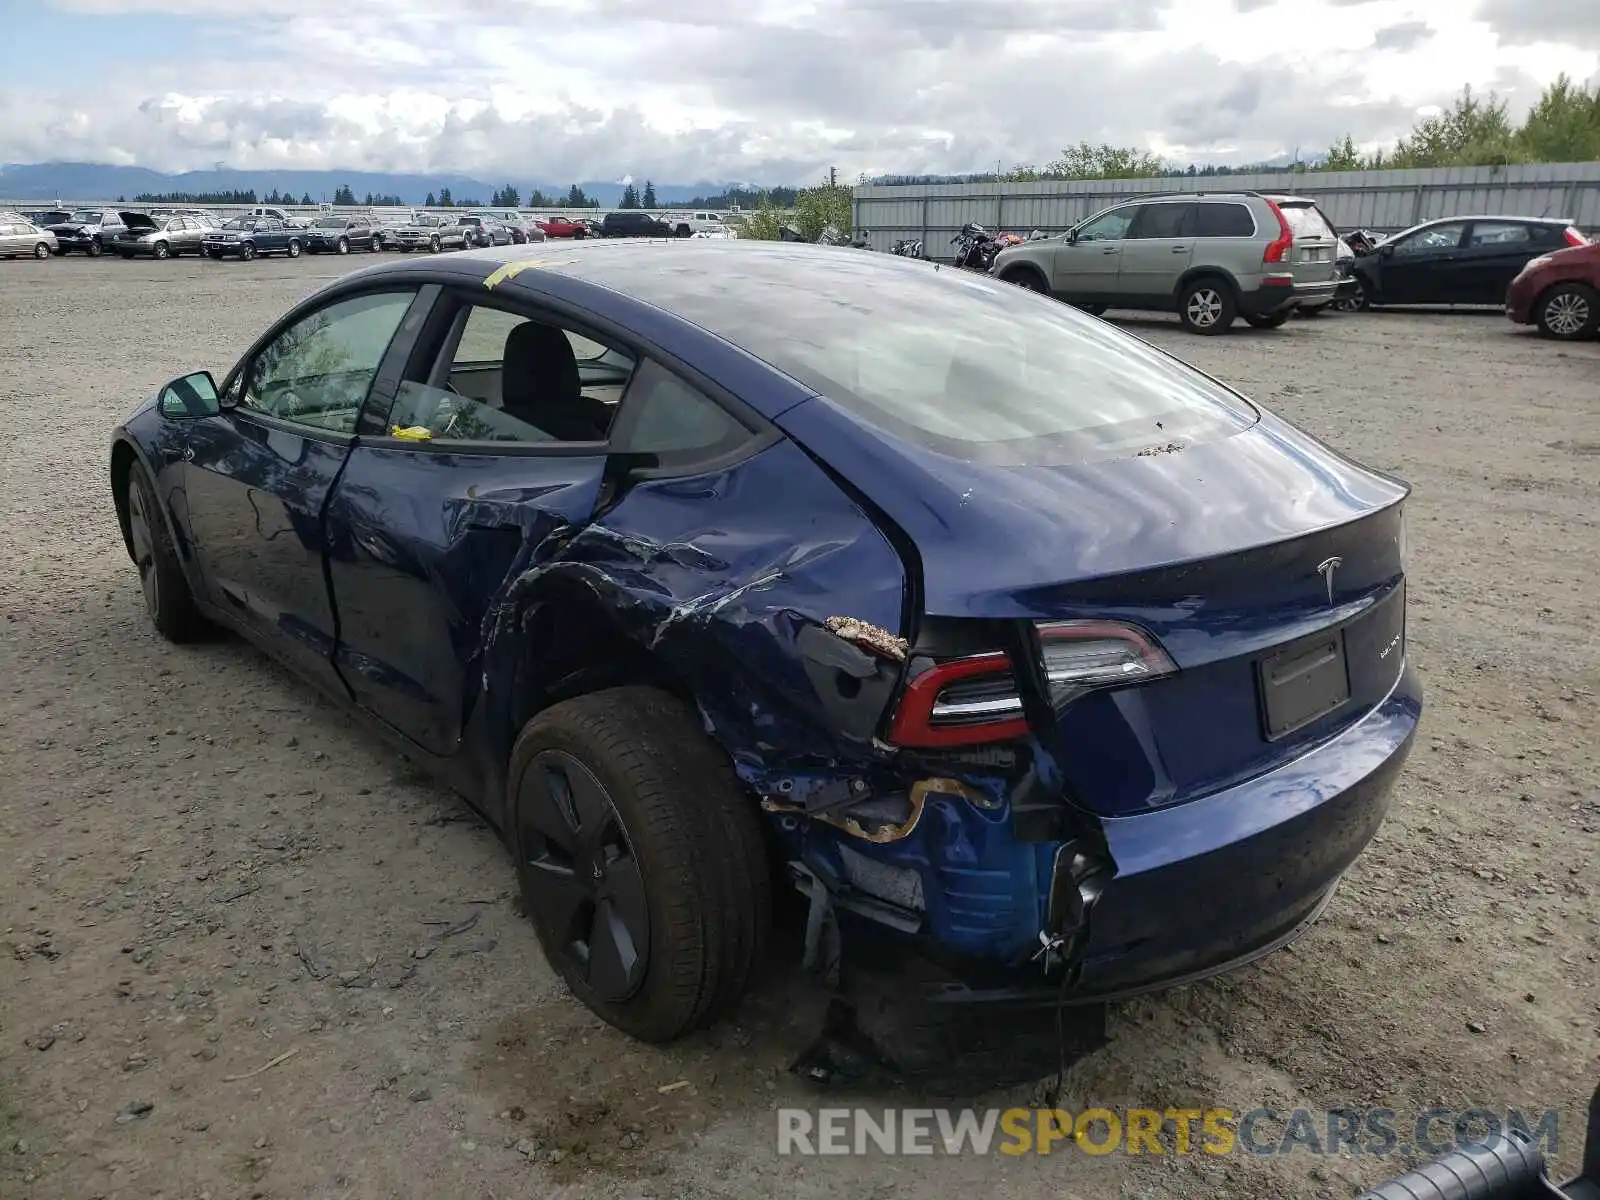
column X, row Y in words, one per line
column 1085, row 267
column 452, row 486
column 1155, row 254
column 1492, row 254
column 258, row 474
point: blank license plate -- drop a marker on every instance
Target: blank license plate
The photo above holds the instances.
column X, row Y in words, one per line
column 1316, row 254
column 1302, row 682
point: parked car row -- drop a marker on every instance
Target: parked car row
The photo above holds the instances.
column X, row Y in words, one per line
column 1216, row 257
column 264, row 230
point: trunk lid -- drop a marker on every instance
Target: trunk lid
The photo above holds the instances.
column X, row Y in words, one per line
column 138, row 223
column 1266, row 565
column 1314, row 253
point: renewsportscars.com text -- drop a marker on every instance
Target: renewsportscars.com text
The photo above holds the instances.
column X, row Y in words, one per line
column 1098, row 1131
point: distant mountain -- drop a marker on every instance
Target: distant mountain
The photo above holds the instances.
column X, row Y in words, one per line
column 102, row 181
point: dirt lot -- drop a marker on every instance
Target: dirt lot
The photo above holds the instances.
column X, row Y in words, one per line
column 246, row 952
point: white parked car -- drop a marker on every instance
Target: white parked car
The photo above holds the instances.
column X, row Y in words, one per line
column 687, row 224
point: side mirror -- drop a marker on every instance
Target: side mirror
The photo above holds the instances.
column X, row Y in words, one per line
column 1385, row 251
column 190, row 396
column 1072, row 237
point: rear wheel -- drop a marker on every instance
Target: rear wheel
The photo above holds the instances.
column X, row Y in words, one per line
column 42, row 250
column 167, row 598
column 162, row 250
column 640, row 858
column 294, row 247
column 1568, row 312
column 1268, row 320
column 1207, row 306
column 377, row 243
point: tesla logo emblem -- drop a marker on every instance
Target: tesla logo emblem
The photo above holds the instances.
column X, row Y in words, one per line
column 1326, row 568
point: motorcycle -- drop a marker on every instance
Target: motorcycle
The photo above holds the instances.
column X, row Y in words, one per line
column 907, row 248
column 975, row 247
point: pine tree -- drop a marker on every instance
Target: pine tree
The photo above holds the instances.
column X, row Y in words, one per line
column 649, row 199
column 430, row 202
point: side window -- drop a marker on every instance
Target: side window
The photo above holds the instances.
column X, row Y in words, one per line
column 667, row 417
column 1223, row 220
column 511, row 378
column 1498, row 233
column 1169, row 220
column 319, row 370
column 1109, row 227
column 1439, row 237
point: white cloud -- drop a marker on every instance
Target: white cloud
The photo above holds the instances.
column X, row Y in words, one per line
column 556, row 90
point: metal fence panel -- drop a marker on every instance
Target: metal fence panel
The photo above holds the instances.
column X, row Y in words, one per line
column 1383, row 200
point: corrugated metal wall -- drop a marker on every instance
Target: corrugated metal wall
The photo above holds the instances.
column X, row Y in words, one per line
column 1382, row 200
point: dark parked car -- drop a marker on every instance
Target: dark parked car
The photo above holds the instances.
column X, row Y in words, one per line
column 1457, row 260
column 484, row 231
column 1559, row 292
column 159, row 237
column 1005, row 637
column 246, row 237
column 633, row 224
column 86, row 230
column 340, row 235
column 47, row 217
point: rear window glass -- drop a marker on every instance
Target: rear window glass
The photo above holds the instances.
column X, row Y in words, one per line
column 1305, row 221
column 958, row 362
column 1223, row 220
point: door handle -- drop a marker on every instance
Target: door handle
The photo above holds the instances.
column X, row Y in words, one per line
column 1180, row 249
column 1109, row 250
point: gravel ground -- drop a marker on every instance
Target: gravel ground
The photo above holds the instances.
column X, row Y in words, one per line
column 247, row 952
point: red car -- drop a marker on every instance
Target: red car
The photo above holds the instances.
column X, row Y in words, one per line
column 1559, row 292
column 562, row 227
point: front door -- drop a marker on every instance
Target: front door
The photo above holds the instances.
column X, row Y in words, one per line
column 1085, row 267
column 259, row 473
column 1419, row 269
column 497, row 440
column 1155, row 253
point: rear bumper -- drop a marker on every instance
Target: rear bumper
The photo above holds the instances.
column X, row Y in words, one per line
column 1211, row 885
column 1270, row 298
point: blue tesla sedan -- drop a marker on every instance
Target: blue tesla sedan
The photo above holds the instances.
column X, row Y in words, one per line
column 705, row 569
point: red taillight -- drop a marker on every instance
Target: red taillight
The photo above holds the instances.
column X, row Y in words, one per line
column 1278, row 249
column 974, row 700
column 1574, row 238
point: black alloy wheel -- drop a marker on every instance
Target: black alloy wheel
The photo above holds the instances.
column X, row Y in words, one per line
column 582, row 876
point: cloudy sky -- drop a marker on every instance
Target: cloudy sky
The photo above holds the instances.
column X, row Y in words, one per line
column 753, row 90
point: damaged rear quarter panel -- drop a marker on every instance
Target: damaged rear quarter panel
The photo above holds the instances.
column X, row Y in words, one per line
column 717, row 583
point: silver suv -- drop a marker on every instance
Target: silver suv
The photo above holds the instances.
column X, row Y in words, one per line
column 1209, row 257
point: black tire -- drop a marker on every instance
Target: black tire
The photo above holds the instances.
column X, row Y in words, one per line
column 162, row 250
column 377, row 243
column 1268, row 320
column 344, row 245
column 433, row 244
column 1024, row 278
column 682, row 840
column 1094, row 310
column 1362, row 301
column 1206, row 305
column 216, row 254
column 167, row 599
column 126, row 254
column 684, row 231
column 1568, row 312
column 294, row 247
column 94, row 249
column 42, row 251
column 247, row 251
